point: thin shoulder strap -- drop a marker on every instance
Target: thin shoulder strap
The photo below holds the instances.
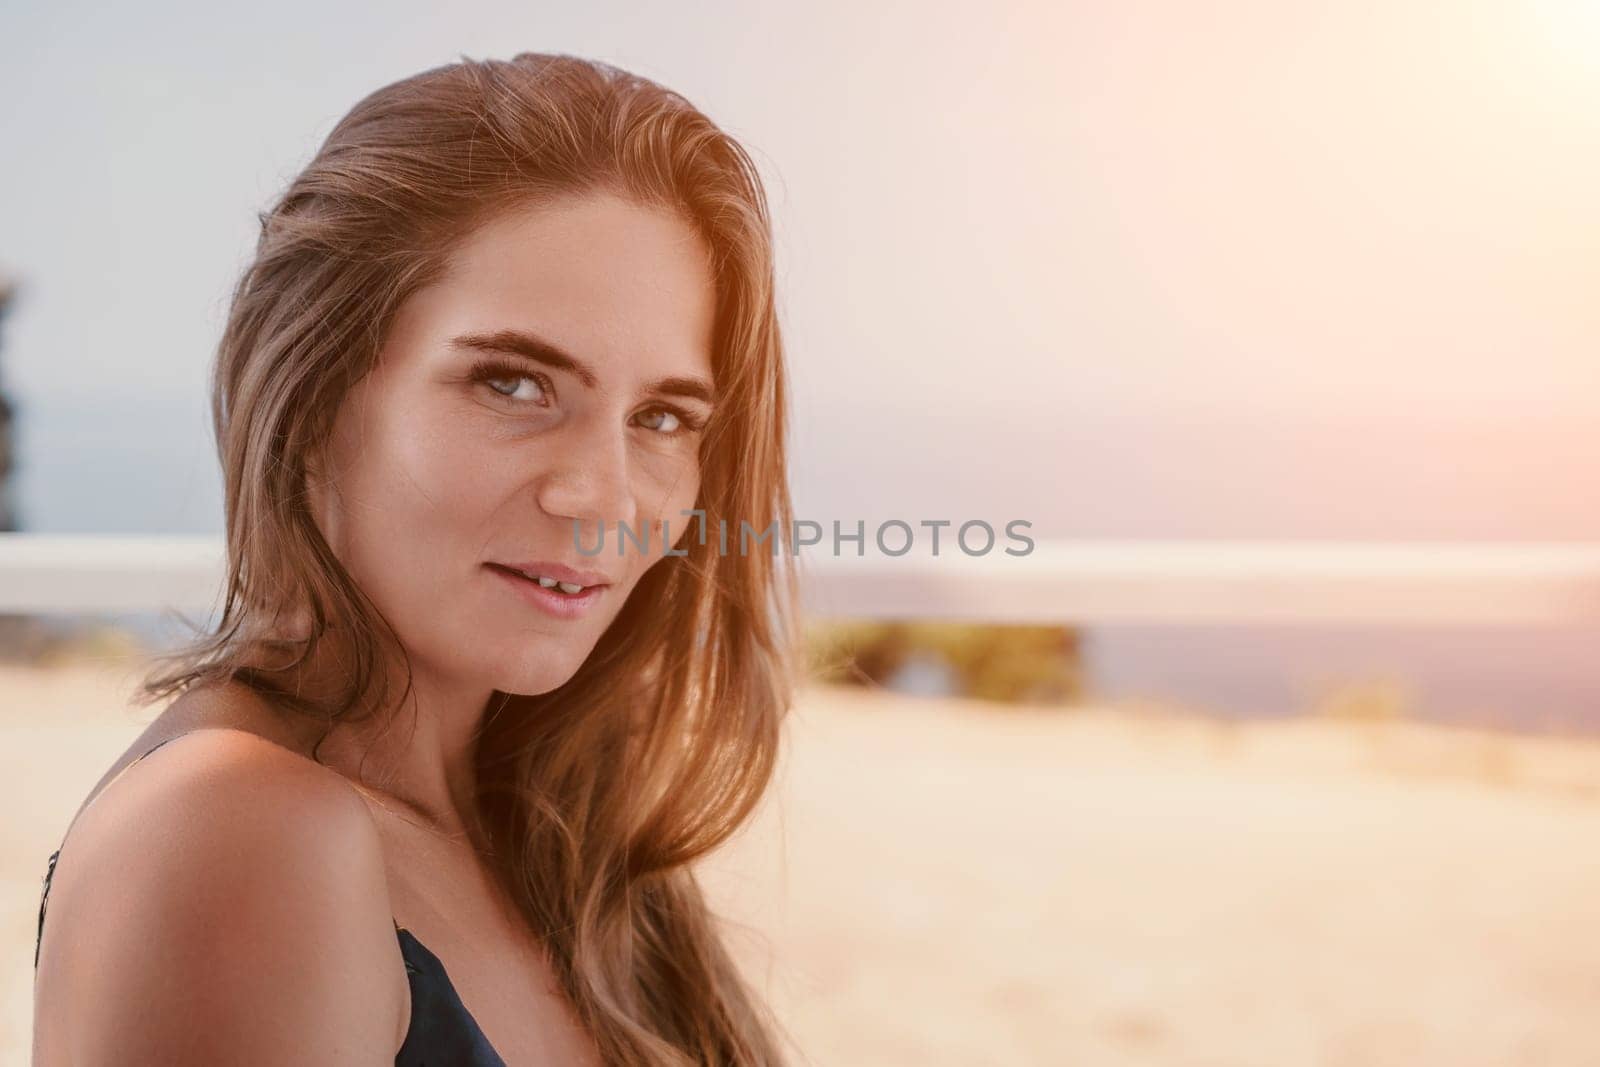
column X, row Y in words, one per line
column 44, row 896
column 101, row 791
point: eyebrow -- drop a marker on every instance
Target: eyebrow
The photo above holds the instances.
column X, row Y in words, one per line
column 538, row 350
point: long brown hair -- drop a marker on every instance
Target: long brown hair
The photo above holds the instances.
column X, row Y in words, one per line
column 597, row 796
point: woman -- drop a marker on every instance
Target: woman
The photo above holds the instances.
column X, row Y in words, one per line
column 431, row 791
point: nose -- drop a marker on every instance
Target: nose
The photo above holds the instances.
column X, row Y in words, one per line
column 588, row 484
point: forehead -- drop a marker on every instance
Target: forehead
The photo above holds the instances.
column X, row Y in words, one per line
column 608, row 278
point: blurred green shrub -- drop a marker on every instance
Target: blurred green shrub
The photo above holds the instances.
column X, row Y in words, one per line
column 1370, row 700
column 1009, row 664
column 49, row 642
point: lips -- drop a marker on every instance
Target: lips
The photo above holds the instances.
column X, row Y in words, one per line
column 553, row 600
column 557, row 576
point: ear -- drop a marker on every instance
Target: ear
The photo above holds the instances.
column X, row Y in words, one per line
column 315, row 485
column 319, row 494
column 312, row 461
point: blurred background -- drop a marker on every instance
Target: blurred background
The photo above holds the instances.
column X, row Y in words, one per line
column 1282, row 272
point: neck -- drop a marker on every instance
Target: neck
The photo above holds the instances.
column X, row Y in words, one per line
column 419, row 751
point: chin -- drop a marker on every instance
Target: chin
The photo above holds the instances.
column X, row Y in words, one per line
column 534, row 680
column 531, row 688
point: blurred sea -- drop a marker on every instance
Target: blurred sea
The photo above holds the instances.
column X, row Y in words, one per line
column 82, row 470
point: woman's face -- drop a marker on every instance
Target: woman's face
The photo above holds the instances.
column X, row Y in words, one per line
column 554, row 380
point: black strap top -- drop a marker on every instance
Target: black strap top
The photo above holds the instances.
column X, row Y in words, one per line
column 441, row 1031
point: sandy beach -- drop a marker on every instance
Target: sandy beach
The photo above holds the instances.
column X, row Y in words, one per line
column 941, row 882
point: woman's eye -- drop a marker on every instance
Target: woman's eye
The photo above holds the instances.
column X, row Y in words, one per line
column 662, row 421
column 512, row 388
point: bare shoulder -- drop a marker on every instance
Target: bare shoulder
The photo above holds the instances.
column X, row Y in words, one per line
column 224, row 901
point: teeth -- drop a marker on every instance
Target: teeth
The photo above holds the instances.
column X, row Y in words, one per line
column 551, row 583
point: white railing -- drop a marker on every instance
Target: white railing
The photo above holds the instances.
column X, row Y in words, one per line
column 1068, row 582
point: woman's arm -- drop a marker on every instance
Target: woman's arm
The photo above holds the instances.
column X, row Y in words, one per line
column 223, row 902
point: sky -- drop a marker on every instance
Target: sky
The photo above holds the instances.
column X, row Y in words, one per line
column 1254, row 269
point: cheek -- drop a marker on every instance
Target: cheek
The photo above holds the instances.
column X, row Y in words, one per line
column 416, row 500
column 668, row 508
